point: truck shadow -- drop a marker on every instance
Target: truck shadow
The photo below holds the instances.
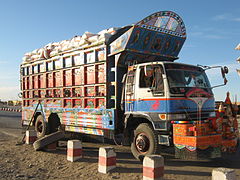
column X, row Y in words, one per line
column 191, row 173
column 204, row 163
column 126, row 163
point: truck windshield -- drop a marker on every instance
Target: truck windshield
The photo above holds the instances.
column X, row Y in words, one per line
column 183, row 76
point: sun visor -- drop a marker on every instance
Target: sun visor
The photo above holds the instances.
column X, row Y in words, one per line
column 161, row 34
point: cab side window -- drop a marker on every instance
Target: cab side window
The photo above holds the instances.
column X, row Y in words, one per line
column 144, row 81
column 155, row 82
column 158, row 84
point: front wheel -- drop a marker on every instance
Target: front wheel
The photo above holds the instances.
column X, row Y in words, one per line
column 144, row 142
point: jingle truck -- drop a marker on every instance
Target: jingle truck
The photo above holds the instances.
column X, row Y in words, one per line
column 122, row 82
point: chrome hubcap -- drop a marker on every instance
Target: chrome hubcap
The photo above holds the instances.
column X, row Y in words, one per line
column 142, row 143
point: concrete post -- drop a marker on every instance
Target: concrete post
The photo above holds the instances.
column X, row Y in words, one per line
column 223, row 174
column 107, row 159
column 31, row 137
column 74, row 150
column 153, row 167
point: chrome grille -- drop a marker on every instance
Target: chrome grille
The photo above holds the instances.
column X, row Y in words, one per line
column 194, row 116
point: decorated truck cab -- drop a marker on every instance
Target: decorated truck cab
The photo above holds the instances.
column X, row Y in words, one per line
column 123, row 81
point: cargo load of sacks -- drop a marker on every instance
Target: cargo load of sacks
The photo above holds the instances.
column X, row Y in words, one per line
column 53, row 49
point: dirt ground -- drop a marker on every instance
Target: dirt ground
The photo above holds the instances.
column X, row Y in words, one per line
column 22, row 162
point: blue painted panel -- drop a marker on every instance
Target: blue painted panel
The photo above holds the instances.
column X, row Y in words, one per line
column 171, row 105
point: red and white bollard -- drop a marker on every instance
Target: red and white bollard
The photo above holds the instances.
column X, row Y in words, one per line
column 223, row 174
column 74, row 150
column 153, row 167
column 106, row 160
column 31, row 136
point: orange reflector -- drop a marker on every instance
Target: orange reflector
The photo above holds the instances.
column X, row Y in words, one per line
column 162, row 116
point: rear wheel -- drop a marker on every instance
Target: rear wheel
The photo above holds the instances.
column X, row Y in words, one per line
column 41, row 127
column 144, row 141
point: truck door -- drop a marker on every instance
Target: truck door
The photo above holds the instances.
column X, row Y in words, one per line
column 129, row 90
column 149, row 89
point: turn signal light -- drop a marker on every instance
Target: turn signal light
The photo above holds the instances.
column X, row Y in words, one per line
column 163, row 116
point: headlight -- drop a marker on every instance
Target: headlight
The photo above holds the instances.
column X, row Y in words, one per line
column 172, row 116
column 176, row 116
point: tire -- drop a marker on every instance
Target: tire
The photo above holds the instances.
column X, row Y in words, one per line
column 41, row 127
column 48, row 139
column 144, row 141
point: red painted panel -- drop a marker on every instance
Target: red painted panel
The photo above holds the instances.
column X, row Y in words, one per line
column 67, row 103
column 90, row 75
column 23, row 83
column 57, row 93
column 101, row 73
column 42, row 81
column 100, row 102
column 31, row 82
column 49, row 93
column 28, row 103
column 101, row 90
column 78, row 75
column 78, row 92
column 30, row 94
column 57, row 79
column 67, row 92
column 27, row 83
column 41, row 93
column 101, row 54
column 67, row 76
column 49, row 80
column 35, row 82
column 90, row 91
column 77, row 103
column 89, row 103
column 35, row 94
column 27, row 94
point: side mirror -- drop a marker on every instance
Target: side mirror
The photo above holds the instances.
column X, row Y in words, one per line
column 20, row 95
column 224, row 70
column 225, row 80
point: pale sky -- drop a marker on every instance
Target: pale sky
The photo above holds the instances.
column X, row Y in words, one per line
column 212, row 31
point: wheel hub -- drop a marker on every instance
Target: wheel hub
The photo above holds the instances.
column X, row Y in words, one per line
column 142, row 143
column 39, row 127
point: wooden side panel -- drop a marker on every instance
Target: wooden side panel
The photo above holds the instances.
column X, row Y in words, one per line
column 78, row 76
column 67, row 77
column 90, row 74
column 101, row 73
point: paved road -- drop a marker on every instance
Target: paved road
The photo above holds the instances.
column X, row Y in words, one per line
column 10, row 123
column 10, row 119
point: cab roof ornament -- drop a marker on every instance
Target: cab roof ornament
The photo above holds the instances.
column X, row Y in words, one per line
column 165, row 22
column 158, row 37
